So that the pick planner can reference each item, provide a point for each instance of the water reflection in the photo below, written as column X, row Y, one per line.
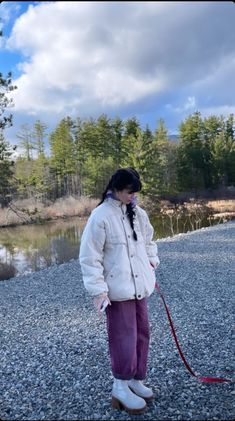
column 29, row 248
column 169, row 225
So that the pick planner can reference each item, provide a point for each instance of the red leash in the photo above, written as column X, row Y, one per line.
column 200, row 378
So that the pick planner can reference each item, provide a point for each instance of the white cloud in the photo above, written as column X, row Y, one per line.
column 224, row 110
column 82, row 57
column 189, row 105
column 8, row 9
column 7, row 12
column 76, row 61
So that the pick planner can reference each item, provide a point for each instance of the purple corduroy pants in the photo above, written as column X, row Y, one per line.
column 128, row 335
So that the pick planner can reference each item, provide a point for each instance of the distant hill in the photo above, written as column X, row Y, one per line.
column 174, row 137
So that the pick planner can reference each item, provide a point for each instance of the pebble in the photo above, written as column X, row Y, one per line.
column 54, row 360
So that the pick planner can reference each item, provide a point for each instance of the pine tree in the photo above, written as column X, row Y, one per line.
column 130, row 141
column 190, row 154
column 5, row 150
column 24, row 175
column 223, row 154
column 6, row 165
column 63, row 156
column 5, row 102
column 39, row 135
column 118, row 131
column 157, row 152
column 25, row 137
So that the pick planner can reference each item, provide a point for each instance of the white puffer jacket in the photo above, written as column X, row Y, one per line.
column 111, row 260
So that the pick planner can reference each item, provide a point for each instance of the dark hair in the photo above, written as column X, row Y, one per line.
column 125, row 178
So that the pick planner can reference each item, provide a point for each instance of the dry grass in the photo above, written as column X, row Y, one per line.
column 221, row 206
column 71, row 206
column 30, row 210
column 9, row 218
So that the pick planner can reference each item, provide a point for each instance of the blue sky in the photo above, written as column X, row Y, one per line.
column 150, row 60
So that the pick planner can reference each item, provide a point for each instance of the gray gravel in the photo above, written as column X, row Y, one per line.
column 54, row 354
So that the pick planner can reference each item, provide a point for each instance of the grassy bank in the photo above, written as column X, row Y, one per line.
column 222, row 207
column 31, row 211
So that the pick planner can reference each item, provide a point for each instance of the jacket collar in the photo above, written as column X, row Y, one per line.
column 116, row 203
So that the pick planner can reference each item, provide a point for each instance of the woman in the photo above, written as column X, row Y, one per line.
column 118, row 258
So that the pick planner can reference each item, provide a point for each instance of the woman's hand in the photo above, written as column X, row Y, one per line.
column 155, row 264
column 99, row 300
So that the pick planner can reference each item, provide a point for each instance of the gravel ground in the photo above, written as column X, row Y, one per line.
column 54, row 355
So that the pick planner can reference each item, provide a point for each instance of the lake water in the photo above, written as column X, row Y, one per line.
column 29, row 248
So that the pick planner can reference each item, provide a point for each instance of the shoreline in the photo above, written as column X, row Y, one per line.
column 159, row 240
column 65, row 208
column 54, row 354
column 183, row 235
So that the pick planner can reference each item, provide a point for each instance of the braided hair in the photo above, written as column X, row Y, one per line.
column 125, row 178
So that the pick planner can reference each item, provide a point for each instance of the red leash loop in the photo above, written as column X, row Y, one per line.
column 199, row 378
